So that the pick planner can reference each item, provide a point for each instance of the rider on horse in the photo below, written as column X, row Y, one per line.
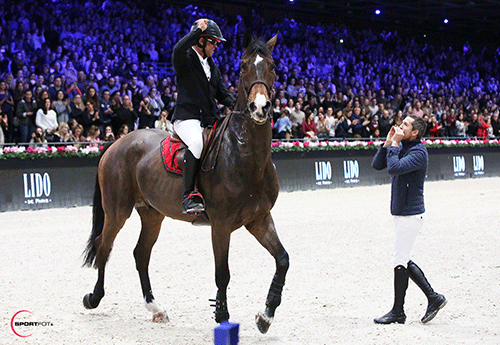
column 199, row 85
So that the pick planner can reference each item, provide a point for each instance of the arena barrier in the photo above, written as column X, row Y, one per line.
column 32, row 184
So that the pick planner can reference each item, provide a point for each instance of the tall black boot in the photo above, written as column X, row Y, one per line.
column 397, row 313
column 435, row 301
column 192, row 202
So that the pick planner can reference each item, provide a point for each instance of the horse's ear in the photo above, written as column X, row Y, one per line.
column 247, row 39
column 272, row 42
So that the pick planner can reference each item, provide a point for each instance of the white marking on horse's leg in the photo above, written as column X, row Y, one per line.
column 258, row 59
column 159, row 314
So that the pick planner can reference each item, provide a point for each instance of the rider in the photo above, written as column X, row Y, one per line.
column 199, row 85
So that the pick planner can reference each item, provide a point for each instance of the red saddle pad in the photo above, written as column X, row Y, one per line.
column 169, row 151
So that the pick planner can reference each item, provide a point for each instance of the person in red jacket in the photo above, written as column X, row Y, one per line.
column 482, row 130
column 436, row 128
column 309, row 130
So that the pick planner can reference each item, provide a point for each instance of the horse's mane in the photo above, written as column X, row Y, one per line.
column 258, row 46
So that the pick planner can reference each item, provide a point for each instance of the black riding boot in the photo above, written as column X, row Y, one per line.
column 397, row 313
column 192, row 202
column 436, row 301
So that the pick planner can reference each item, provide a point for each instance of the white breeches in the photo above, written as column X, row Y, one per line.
column 406, row 229
column 191, row 133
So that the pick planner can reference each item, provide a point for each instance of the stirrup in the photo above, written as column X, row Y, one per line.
column 193, row 203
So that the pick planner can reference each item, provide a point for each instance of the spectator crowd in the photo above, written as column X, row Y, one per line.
column 91, row 71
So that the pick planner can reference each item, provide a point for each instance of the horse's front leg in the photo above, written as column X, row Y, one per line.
column 265, row 232
column 220, row 243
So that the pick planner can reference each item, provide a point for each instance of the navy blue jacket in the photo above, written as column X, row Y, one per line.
column 196, row 95
column 407, row 164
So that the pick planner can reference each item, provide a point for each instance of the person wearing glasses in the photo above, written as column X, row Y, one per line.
column 200, row 87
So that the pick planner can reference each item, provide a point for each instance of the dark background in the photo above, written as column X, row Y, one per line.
column 475, row 21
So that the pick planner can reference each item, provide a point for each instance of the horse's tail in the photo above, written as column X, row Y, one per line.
column 97, row 220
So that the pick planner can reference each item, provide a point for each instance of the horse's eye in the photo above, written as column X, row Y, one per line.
column 243, row 66
column 272, row 66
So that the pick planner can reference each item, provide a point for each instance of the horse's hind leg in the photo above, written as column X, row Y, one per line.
column 265, row 232
column 151, row 224
column 104, row 243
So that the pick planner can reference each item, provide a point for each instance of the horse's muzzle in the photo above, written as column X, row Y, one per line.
column 259, row 111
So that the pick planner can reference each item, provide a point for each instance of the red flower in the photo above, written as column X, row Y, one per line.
column 60, row 149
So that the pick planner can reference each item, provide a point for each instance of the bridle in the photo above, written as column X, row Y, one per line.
column 248, row 89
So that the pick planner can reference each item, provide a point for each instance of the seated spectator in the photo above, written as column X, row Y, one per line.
column 374, row 127
column 7, row 109
column 309, row 130
column 54, row 90
column 62, row 135
column 483, row 125
column 124, row 115
column 323, row 127
column 495, row 124
column 460, row 126
column 38, row 138
column 472, row 126
column 385, row 123
column 343, row 126
column 91, row 96
column 77, row 134
column 106, row 110
column 163, row 123
column 90, row 117
column 283, row 125
column 62, row 107
column 122, row 131
column 46, row 118
column 77, row 107
column 4, row 125
column 108, row 134
column 297, row 116
column 276, row 110
column 93, row 135
column 26, row 113
column 146, row 117
column 398, row 118
column 357, row 123
column 434, row 127
column 155, row 101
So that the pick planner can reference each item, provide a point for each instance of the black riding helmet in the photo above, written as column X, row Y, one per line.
column 212, row 30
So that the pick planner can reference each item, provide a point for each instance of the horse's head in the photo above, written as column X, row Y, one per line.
column 256, row 78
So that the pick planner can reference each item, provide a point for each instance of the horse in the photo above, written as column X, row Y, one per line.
column 239, row 184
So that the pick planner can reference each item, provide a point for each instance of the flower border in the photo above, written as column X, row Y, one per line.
column 304, row 146
column 21, row 152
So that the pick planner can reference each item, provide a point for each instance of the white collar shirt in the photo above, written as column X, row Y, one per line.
column 204, row 64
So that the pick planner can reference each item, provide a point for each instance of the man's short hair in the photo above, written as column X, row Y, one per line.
column 419, row 125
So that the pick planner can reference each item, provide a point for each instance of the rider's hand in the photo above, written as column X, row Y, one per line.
column 202, row 24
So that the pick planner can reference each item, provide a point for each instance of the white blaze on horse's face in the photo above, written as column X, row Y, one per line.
column 259, row 102
column 258, row 59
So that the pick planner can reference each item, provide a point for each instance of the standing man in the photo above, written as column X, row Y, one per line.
column 405, row 157
column 199, row 85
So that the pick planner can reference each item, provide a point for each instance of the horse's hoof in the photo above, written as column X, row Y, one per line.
column 263, row 322
column 161, row 317
column 87, row 303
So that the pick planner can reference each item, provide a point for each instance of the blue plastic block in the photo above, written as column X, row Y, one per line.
column 226, row 333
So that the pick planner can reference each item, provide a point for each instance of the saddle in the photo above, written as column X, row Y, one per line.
column 173, row 150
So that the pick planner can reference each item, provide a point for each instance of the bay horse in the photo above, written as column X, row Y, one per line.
column 240, row 186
